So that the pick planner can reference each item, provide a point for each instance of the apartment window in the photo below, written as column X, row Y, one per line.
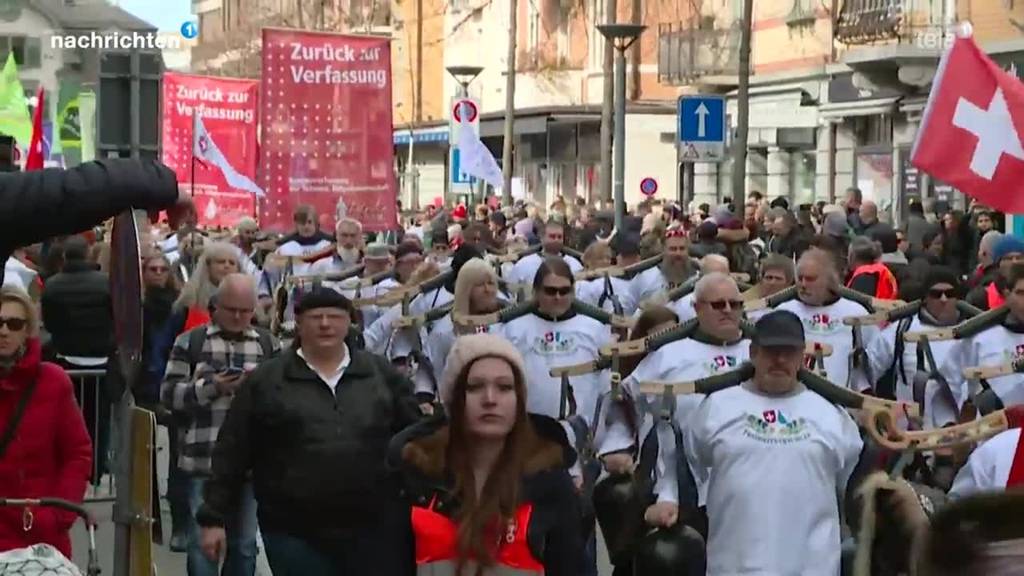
column 27, row 51
column 596, row 48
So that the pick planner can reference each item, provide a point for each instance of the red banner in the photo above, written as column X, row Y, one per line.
column 326, row 113
column 228, row 109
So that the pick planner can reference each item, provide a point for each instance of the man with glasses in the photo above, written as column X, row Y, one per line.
column 312, row 427
column 1000, row 344
column 774, row 457
column 717, row 346
column 207, row 367
column 897, row 364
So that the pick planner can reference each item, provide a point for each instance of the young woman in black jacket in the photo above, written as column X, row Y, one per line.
column 490, row 485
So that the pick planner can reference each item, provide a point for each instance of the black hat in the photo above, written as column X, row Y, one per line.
column 321, row 297
column 779, row 328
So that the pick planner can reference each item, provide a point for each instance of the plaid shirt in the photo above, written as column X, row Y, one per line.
column 194, row 394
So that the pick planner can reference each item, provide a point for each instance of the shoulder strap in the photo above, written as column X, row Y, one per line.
column 196, row 339
column 266, row 343
column 19, row 412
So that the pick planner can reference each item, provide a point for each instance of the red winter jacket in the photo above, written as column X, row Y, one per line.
column 50, row 455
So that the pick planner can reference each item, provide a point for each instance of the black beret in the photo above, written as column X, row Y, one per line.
column 321, row 297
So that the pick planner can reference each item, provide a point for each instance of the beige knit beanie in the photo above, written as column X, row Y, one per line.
column 472, row 347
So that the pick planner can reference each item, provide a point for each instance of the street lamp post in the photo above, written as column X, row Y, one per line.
column 464, row 75
column 622, row 37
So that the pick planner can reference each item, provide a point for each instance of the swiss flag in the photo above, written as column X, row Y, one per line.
column 970, row 132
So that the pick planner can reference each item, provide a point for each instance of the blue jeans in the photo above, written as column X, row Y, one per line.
column 381, row 548
column 241, row 530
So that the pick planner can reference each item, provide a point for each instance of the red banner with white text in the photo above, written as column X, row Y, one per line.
column 326, row 139
column 228, row 108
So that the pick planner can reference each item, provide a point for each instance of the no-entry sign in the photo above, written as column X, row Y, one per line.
column 648, row 186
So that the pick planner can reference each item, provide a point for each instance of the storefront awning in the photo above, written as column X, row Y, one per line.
column 421, row 136
column 868, row 107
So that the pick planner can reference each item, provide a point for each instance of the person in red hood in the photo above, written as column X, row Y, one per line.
column 49, row 454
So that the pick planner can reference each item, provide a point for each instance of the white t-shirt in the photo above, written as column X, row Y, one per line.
column 442, row 338
column 939, row 408
column 775, row 467
column 682, row 360
column 526, row 268
column 545, row 344
column 992, row 347
column 824, row 324
column 988, row 467
column 591, row 291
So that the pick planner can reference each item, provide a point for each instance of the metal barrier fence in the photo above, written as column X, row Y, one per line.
column 97, row 409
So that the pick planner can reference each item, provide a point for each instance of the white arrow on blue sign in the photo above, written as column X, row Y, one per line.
column 701, row 128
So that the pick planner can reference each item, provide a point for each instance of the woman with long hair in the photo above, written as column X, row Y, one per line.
column 476, row 292
column 490, row 484
column 216, row 261
column 44, row 445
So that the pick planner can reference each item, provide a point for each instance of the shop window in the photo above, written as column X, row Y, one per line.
column 873, row 130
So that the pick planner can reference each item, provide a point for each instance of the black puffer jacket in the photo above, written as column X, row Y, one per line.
column 317, row 458
column 77, row 311
column 52, row 202
column 554, row 534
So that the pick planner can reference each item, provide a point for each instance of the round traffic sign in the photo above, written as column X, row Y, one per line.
column 648, row 186
column 471, row 111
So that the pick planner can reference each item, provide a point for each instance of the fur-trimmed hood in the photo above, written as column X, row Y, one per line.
column 419, row 452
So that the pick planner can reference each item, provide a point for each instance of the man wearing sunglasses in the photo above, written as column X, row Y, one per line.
column 896, row 363
column 822, row 310
column 716, row 346
column 997, row 345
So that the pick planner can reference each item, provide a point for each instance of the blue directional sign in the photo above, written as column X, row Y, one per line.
column 457, row 175
column 702, row 128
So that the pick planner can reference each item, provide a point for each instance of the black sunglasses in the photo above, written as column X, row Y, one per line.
column 721, row 304
column 14, row 324
column 937, row 293
column 556, row 291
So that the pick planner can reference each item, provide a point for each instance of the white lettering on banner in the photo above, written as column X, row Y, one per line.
column 303, row 75
column 186, row 93
column 243, row 115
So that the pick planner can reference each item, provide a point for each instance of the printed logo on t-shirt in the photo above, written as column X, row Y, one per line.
column 1014, row 354
column 721, row 363
column 822, row 324
column 774, row 427
column 551, row 343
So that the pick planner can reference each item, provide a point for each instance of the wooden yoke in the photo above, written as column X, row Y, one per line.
column 881, row 425
column 965, row 329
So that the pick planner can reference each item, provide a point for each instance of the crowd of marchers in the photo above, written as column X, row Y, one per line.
column 474, row 392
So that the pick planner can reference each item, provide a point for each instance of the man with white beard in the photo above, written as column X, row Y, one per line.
column 376, row 260
column 553, row 242
column 676, row 267
column 716, row 346
column 776, row 457
column 822, row 311
column 348, row 252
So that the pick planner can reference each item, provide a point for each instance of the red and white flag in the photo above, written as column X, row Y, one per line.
column 970, row 133
column 205, row 150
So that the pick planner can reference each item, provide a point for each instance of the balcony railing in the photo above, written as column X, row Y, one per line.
column 685, row 53
column 862, row 21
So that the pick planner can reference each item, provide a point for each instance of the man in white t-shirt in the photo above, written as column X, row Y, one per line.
column 554, row 240
column 776, row 458
column 822, row 312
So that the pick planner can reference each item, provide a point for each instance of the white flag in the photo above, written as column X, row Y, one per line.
column 205, row 150
column 474, row 157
